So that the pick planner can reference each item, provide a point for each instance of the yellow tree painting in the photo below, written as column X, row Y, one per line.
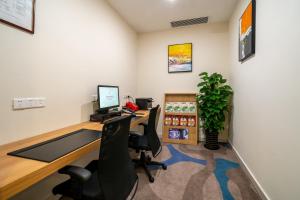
column 180, row 58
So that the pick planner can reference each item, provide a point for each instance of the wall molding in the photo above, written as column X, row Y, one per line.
column 262, row 193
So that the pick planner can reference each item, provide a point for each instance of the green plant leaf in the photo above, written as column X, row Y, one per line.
column 213, row 100
column 203, row 74
column 201, row 84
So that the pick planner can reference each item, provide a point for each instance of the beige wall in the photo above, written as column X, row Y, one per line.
column 77, row 45
column 267, row 96
column 210, row 53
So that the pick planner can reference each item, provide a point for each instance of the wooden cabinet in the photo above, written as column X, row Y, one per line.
column 180, row 118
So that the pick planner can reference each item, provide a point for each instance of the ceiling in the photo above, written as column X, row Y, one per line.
column 155, row 15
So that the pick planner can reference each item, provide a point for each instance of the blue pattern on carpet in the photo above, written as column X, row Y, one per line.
column 222, row 166
column 177, row 156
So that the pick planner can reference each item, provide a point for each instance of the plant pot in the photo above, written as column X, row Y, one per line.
column 211, row 140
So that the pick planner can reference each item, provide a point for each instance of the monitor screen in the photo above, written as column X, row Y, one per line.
column 108, row 96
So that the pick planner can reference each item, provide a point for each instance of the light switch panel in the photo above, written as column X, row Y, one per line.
column 26, row 103
column 18, row 103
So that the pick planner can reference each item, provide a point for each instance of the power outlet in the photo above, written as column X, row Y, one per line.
column 127, row 96
column 94, row 97
column 30, row 102
column 38, row 102
column 41, row 102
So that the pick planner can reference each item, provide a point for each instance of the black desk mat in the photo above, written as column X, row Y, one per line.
column 53, row 149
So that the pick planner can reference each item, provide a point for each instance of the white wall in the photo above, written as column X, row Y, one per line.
column 77, row 45
column 267, row 96
column 210, row 53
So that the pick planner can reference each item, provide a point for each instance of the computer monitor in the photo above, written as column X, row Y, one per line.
column 108, row 97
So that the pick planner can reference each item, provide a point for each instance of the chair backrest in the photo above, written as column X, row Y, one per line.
column 116, row 172
column 152, row 137
column 157, row 117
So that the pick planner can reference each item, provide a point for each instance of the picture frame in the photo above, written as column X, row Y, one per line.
column 180, row 58
column 18, row 14
column 247, row 31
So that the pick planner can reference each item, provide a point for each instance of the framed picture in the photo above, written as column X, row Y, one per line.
column 18, row 13
column 247, row 32
column 180, row 58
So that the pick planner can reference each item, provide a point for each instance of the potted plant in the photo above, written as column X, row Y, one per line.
column 213, row 99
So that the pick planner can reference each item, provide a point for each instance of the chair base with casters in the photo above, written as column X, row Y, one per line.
column 148, row 142
column 141, row 145
column 144, row 162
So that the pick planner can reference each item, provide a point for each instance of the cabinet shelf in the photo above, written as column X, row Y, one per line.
column 178, row 141
column 171, row 126
column 180, row 114
column 192, row 133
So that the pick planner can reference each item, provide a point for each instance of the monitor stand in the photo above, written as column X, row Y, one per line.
column 103, row 115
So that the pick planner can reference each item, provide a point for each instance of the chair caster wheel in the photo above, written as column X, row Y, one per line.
column 164, row 167
column 151, row 179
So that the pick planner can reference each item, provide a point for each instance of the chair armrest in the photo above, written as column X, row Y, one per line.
column 76, row 173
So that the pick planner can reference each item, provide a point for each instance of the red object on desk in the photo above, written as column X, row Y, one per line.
column 132, row 106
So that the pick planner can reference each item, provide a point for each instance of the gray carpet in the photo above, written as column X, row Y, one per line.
column 196, row 173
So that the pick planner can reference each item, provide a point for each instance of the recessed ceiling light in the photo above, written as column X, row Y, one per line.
column 171, row 1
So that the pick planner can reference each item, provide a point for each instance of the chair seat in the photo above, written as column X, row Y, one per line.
column 91, row 189
column 138, row 142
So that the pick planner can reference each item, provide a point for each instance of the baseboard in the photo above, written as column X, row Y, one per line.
column 262, row 193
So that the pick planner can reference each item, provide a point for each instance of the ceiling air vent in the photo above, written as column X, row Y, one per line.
column 188, row 22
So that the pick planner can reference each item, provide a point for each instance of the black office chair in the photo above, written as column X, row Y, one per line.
column 156, row 120
column 112, row 177
column 149, row 141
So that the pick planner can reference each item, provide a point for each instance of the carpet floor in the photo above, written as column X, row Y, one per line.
column 196, row 173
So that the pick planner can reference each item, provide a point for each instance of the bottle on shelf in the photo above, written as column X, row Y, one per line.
column 175, row 121
column 168, row 120
column 191, row 121
column 177, row 107
column 183, row 121
column 192, row 107
column 184, row 107
column 169, row 107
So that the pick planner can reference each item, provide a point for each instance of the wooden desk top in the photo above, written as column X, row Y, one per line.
column 17, row 174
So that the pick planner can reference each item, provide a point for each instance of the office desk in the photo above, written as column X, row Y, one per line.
column 17, row 174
